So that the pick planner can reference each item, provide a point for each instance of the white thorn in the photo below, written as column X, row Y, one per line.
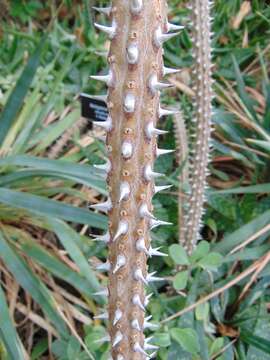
column 118, row 338
column 124, row 191
column 96, row 97
column 104, row 316
column 144, row 212
column 138, row 275
column 102, row 53
column 155, row 85
column 150, row 346
column 106, row 167
column 149, row 174
column 135, row 324
column 167, row 70
column 105, row 338
column 101, row 138
column 151, row 356
column 136, row 6
column 147, row 300
column 122, row 229
column 103, row 10
column 165, row 112
column 151, row 278
column 105, row 238
column 129, row 103
column 127, row 149
column 108, row 79
column 104, row 266
column 160, row 152
column 105, row 206
column 120, row 262
column 117, row 316
column 137, row 348
column 103, row 292
column 160, row 38
column 155, row 252
column 132, row 53
column 110, row 30
column 155, row 223
column 173, row 27
column 147, row 340
column 137, row 301
column 151, row 326
column 140, row 245
column 161, row 188
column 151, row 131
column 107, row 125
column 120, row 357
column 100, row 97
column 148, row 325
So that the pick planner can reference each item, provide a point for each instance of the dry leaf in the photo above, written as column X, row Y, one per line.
column 243, row 12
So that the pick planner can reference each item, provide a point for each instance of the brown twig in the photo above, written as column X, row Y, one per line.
column 250, row 239
column 215, row 293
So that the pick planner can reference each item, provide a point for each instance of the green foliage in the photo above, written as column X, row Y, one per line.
column 35, row 116
column 178, row 254
column 8, row 333
column 25, row 10
column 187, row 338
column 180, row 280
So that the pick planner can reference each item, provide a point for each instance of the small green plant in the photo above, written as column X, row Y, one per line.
column 201, row 258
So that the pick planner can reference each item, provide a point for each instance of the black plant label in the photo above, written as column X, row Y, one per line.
column 93, row 109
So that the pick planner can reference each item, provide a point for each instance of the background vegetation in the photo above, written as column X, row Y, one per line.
column 214, row 304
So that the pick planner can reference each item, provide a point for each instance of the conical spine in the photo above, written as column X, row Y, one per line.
column 201, row 25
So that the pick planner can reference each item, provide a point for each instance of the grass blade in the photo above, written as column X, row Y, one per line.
column 32, row 284
column 8, row 333
column 240, row 235
column 247, row 101
column 68, row 238
column 18, row 176
column 17, row 96
column 256, row 341
column 43, row 206
column 252, row 189
column 84, row 172
column 58, row 268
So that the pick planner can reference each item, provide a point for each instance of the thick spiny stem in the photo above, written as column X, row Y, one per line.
column 133, row 57
column 202, row 118
column 134, row 81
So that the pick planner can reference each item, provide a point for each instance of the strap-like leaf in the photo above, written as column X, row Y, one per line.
column 38, row 291
column 8, row 333
column 17, row 96
column 42, row 206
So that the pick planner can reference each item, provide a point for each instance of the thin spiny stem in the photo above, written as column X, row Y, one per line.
column 201, row 25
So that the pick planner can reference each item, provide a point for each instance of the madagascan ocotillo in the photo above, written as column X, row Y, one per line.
column 138, row 29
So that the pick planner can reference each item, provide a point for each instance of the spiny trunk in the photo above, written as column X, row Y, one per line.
column 138, row 30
